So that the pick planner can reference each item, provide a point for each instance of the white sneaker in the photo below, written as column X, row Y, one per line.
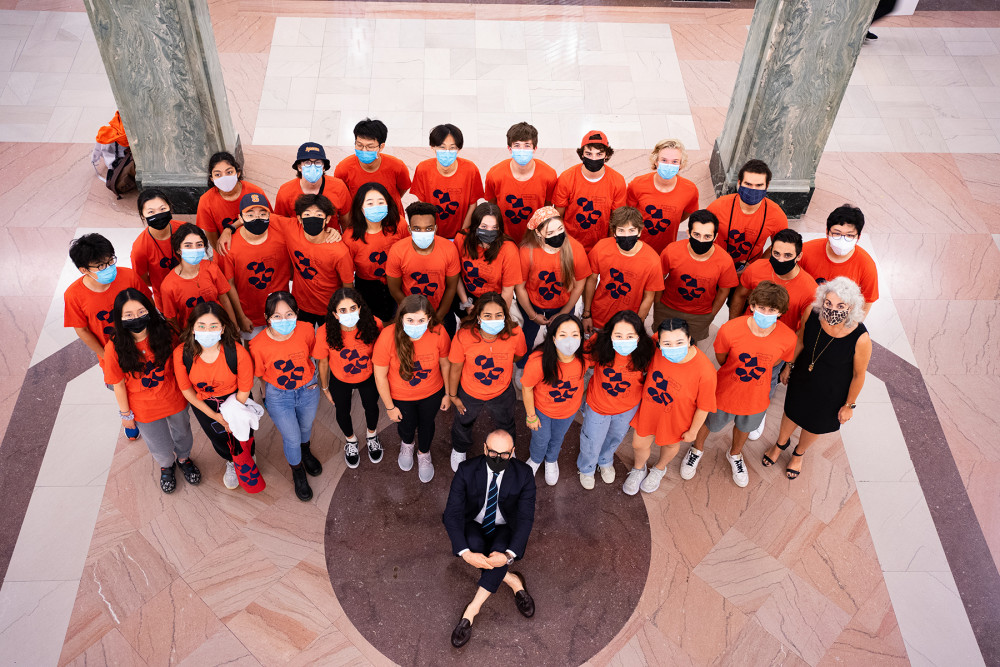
column 405, row 459
column 757, row 432
column 740, row 475
column 587, row 481
column 635, row 477
column 607, row 473
column 534, row 466
column 652, row 481
column 456, row 458
column 690, row 463
column 425, row 468
column 229, row 478
column 551, row 473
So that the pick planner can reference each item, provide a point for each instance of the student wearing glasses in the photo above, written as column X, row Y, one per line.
column 311, row 165
column 370, row 164
column 838, row 255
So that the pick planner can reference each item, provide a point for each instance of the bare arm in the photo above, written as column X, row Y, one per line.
column 449, row 387
column 574, row 296
column 720, row 300
column 647, row 303
column 88, row 337
column 242, row 321
column 395, row 286
column 508, row 294
column 739, row 303
column 862, row 355
column 450, row 285
column 226, row 301
column 382, row 383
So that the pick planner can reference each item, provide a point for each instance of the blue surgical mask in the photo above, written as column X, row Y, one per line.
column 193, row 255
column 107, row 275
column 376, row 213
column 750, row 196
column 349, row 320
column 415, row 331
column 522, row 156
column 491, row 327
column 764, row 321
column 422, row 240
column 625, row 347
column 284, row 327
column 667, row 171
column 312, row 172
column 446, row 158
column 366, row 157
column 207, row 338
column 675, row 354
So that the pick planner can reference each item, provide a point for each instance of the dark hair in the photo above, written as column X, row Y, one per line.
column 788, row 235
column 230, row 335
column 624, row 216
column 769, row 295
column 370, row 128
column 603, row 351
column 755, row 167
column 159, row 332
column 441, row 132
column 414, row 303
column 148, row 195
column 522, row 132
column 471, row 321
column 367, row 327
column 184, row 231
column 608, row 150
column 846, row 215
column 472, row 241
column 272, row 301
column 359, row 223
column 550, row 355
column 704, row 216
column 223, row 156
column 421, row 208
column 304, row 202
column 90, row 249
column 673, row 324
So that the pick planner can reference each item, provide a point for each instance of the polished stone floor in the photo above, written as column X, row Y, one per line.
column 884, row 552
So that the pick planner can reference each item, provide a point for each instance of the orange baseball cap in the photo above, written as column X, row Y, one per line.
column 595, row 137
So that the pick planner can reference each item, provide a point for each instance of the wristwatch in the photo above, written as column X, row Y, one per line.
column 852, row 406
column 510, row 558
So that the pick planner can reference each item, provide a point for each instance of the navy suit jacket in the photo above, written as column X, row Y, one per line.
column 468, row 495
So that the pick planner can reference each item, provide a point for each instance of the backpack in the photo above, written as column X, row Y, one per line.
column 112, row 146
column 230, row 352
column 121, row 173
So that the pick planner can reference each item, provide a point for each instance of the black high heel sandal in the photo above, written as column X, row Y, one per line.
column 766, row 461
column 789, row 473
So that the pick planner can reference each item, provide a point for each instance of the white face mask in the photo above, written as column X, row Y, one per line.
column 226, row 183
column 568, row 346
column 843, row 246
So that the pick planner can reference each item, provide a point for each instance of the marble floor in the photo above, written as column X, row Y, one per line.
column 884, row 552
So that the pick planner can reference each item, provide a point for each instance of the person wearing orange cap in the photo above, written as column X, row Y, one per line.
column 586, row 195
column 311, row 165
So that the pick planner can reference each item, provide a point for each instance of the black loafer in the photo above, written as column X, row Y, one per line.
column 461, row 634
column 523, row 600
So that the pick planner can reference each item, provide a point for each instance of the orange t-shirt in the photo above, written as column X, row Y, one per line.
column 153, row 393
column 622, row 279
column 214, row 212
column 285, row 364
column 542, row 273
column 489, row 365
column 181, row 295
column 320, row 270
column 256, row 271
column 154, row 258
column 690, row 285
column 451, row 195
column 391, row 173
column 662, row 212
column 352, row 362
column 744, row 236
column 427, row 354
column 331, row 187
column 616, row 388
column 370, row 254
column 559, row 401
column 671, row 396
column 860, row 267
column 214, row 379
column 85, row 308
column 519, row 199
column 744, row 381
column 588, row 205
column 423, row 274
column 480, row 276
column 801, row 289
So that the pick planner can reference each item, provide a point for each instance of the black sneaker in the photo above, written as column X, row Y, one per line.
column 351, row 454
column 374, row 449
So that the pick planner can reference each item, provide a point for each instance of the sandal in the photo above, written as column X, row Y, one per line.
column 789, row 473
column 191, row 473
column 168, row 482
column 766, row 460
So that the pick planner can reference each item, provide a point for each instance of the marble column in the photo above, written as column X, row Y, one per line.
column 165, row 73
column 797, row 62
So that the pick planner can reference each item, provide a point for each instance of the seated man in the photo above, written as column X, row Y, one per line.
column 490, row 511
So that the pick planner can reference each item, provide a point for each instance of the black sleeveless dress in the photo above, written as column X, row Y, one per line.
column 814, row 398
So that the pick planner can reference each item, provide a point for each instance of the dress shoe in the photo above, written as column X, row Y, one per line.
column 461, row 634
column 525, row 604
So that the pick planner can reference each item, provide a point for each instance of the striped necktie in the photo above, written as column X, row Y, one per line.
column 490, row 517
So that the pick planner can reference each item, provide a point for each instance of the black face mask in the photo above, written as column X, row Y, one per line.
column 159, row 220
column 781, row 268
column 137, row 324
column 591, row 164
column 258, row 226
column 487, row 236
column 313, row 225
column 557, row 240
column 701, row 247
column 497, row 464
column 626, row 243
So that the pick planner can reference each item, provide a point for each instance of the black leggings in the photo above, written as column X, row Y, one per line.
column 342, row 393
column 418, row 420
column 312, row 318
column 376, row 295
column 217, row 435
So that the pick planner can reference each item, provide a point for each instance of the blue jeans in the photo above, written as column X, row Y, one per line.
column 293, row 412
column 547, row 440
column 600, row 437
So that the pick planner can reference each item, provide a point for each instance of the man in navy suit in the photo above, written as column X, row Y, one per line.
column 491, row 507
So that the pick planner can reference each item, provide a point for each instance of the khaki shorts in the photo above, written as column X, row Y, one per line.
column 699, row 324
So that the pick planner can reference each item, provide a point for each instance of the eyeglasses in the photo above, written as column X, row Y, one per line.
column 311, row 163
column 841, row 237
column 365, row 147
column 111, row 262
column 503, row 456
column 288, row 316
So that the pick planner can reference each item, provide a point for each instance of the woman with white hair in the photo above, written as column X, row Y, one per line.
column 831, row 358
